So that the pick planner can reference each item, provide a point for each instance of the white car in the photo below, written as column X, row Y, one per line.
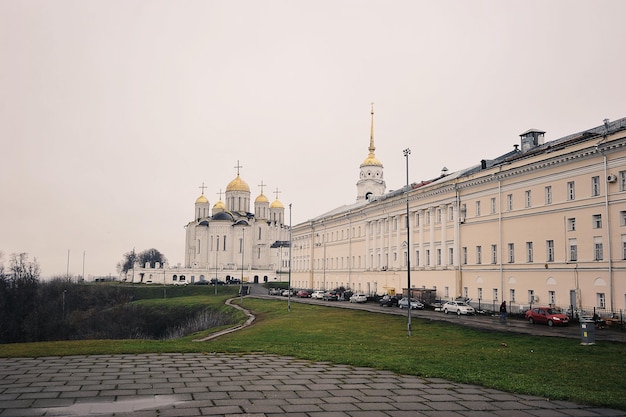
column 415, row 304
column 458, row 307
column 358, row 298
column 318, row 294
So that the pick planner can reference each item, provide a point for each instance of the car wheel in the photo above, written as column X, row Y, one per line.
column 550, row 323
column 445, row 311
column 530, row 320
column 458, row 312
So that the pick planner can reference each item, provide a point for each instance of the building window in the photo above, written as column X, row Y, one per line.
column 573, row 250
column 477, row 208
column 438, row 214
column 548, row 194
column 494, row 254
column 622, row 180
column 531, row 296
column 601, row 300
column 479, row 255
column 511, row 252
column 571, row 224
column 464, row 251
column 417, row 219
column 571, row 194
column 595, row 186
column 550, row 250
column 509, row 202
column 438, row 256
column 527, row 199
column 450, row 256
column 597, row 221
column 427, row 257
column 512, row 295
column 624, row 247
column 259, row 233
column 529, row 252
column 198, row 246
column 622, row 218
column 598, row 250
column 417, row 258
column 493, row 205
column 552, row 297
column 446, row 292
column 451, row 213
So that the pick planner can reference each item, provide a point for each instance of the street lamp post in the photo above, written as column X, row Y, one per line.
column 243, row 237
column 407, row 152
column 289, row 277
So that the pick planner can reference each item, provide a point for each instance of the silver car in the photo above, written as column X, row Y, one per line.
column 458, row 307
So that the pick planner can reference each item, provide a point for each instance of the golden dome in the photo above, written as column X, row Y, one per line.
column 371, row 160
column 202, row 200
column 238, row 185
column 219, row 205
column 276, row 204
column 261, row 199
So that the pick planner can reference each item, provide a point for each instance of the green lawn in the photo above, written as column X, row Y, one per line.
column 549, row 367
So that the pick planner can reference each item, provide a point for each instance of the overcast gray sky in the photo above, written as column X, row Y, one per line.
column 113, row 113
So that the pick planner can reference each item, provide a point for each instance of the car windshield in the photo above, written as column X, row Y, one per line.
column 461, row 303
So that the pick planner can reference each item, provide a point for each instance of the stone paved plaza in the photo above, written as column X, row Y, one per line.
column 253, row 385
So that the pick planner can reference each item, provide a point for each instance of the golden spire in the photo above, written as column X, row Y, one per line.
column 372, row 148
column 371, row 157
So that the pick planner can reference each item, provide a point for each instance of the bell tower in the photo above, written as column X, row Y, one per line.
column 371, row 183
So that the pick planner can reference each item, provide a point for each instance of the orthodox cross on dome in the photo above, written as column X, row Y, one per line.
column 202, row 187
column 372, row 148
column 238, row 166
column 277, row 192
column 220, row 194
column 262, row 185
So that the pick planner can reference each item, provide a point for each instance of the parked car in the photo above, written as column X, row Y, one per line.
column 275, row 291
column 318, row 295
column 549, row 315
column 201, row 282
column 287, row 293
column 358, row 298
column 234, row 281
column 303, row 294
column 458, row 307
column 330, row 296
column 415, row 304
column 217, row 281
column 388, row 301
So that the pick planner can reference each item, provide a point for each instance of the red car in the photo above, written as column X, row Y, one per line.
column 303, row 294
column 549, row 315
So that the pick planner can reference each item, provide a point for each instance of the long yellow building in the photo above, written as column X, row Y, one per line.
column 544, row 223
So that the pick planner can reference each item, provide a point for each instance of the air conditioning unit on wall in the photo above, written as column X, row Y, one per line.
column 611, row 178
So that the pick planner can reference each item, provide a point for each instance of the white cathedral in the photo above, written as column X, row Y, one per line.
column 229, row 241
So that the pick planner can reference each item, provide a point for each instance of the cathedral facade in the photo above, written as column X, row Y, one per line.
column 230, row 241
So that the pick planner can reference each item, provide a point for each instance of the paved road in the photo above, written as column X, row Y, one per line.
column 479, row 321
column 255, row 385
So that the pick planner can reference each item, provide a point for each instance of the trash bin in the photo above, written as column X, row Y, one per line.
column 587, row 332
